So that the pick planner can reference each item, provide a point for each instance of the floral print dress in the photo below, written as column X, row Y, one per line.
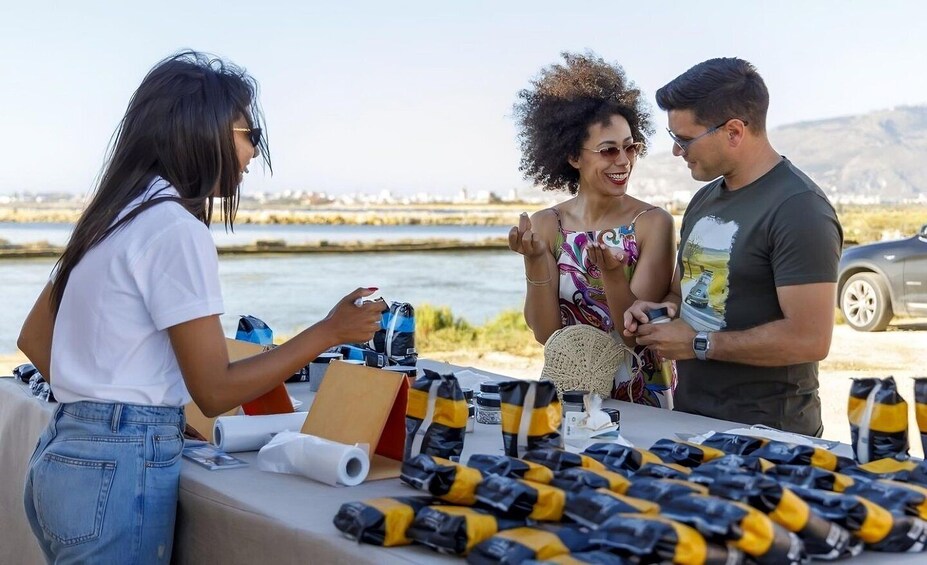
column 582, row 301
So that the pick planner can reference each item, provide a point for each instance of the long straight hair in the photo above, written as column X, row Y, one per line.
column 178, row 126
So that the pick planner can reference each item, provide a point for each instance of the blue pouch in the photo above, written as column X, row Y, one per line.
column 254, row 330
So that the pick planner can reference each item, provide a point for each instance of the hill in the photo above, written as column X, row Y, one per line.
column 875, row 157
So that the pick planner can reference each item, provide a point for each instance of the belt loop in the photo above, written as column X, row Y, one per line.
column 117, row 415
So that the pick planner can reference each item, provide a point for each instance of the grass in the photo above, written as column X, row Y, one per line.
column 438, row 329
column 866, row 224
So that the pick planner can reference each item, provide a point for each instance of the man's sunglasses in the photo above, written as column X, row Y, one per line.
column 254, row 135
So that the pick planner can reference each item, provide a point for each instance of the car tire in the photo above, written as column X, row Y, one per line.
column 865, row 303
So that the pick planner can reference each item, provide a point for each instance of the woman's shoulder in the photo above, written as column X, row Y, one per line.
column 649, row 218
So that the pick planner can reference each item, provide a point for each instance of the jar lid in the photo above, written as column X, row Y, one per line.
column 490, row 400
column 468, row 394
column 614, row 414
column 574, row 396
column 655, row 313
column 489, row 386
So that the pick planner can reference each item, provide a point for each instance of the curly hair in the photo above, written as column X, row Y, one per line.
column 564, row 101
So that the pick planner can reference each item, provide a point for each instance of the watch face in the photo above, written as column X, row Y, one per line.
column 700, row 344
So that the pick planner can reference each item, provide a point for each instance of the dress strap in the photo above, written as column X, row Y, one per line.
column 559, row 222
column 634, row 221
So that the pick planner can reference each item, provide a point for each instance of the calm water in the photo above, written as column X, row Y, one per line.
column 291, row 292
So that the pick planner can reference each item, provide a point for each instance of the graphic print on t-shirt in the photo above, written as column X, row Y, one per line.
column 705, row 258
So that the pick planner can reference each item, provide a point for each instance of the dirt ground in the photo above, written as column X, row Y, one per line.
column 900, row 351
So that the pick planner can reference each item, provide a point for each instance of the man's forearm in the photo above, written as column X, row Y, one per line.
column 770, row 345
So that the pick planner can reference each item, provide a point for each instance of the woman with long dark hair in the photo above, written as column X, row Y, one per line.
column 127, row 330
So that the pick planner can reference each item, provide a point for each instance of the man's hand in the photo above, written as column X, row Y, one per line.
column 671, row 341
column 637, row 314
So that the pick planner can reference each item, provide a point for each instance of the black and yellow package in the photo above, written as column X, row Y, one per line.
column 584, row 558
column 823, row 539
column 868, row 521
column 878, row 420
column 521, row 544
column 811, row 477
column 450, row 481
column 380, row 521
column 512, row 467
column 656, row 539
column 659, row 490
column 577, row 479
column 456, row 529
column 901, row 499
column 436, row 416
column 531, row 416
column 892, row 469
column 557, row 459
column 516, row 498
column 738, row 463
column 733, row 443
column 740, row 525
column 619, row 457
column 920, row 408
column 783, row 453
column 661, row 471
column 592, row 508
column 684, row 453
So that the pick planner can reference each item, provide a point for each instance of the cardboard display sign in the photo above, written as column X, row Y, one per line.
column 358, row 404
column 277, row 401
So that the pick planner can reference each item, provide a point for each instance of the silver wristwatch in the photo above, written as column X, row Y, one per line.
column 700, row 345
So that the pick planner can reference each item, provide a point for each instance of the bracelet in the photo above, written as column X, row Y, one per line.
column 538, row 283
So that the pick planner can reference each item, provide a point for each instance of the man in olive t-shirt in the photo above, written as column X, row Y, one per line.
column 755, row 284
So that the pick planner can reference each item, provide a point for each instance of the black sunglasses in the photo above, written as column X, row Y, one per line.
column 254, row 135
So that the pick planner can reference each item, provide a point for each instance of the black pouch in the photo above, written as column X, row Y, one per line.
column 396, row 336
column 582, row 557
column 811, row 477
column 660, row 490
column 620, row 458
column 577, row 479
column 25, row 371
column 456, row 529
column 451, row 482
column 557, row 459
column 734, row 444
column 531, row 416
column 822, row 538
column 436, row 416
column 592, row 508
column 737, row 524
column 920, row 408
column 868, row 521
column 521, row 544
column 511, row 467
column 901, row 499
column 738, row 463
column 518, row 499
column 878, row 420
column 655, row 539
column 660, row 471
column 684, row 453
column 380, row 521
column 782, row 453
column 892, row 469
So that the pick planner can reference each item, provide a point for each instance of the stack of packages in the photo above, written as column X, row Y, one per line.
column 730, row 499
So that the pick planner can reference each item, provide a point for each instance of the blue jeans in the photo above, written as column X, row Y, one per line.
column 102, row 483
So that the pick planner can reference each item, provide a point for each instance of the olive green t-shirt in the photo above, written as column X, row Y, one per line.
column 737, row 248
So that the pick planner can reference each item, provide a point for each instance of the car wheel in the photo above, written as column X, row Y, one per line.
column 865, row 303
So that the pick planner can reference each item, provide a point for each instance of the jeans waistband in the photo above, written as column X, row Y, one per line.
column 116, row 413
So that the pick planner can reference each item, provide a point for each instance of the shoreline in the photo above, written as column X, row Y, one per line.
column 281, row 247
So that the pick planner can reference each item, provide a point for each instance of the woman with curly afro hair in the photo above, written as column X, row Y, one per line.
column 582, row 127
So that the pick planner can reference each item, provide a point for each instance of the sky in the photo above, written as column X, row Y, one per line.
column 417, row 96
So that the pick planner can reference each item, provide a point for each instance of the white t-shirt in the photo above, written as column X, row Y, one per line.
column 110, row 341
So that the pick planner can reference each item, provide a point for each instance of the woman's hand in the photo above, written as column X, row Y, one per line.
column 606, row 258
column 352, row 323
column 523, row 240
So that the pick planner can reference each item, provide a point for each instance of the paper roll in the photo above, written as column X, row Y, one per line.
column 316, row 458
column 250, row 433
